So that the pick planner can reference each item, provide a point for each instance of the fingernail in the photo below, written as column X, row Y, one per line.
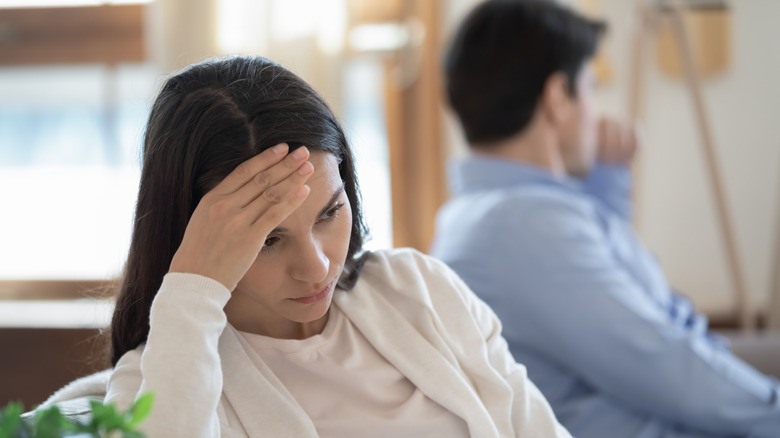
column 306, row 168
column 279, row 149
column 300, row 153
column 302, row 191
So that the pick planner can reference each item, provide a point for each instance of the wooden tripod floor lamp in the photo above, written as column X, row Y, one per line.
column 670, row 12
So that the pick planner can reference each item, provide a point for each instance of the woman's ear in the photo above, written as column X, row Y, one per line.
column 556, row 100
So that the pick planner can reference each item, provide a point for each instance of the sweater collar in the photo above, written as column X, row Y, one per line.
column 424, row 365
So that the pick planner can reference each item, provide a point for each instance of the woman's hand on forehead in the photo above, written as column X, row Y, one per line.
column 231, row 222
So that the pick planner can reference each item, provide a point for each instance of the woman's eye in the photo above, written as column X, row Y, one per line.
column 269, row 242
column 332, row 212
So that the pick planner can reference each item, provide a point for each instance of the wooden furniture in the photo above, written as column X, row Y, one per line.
column 44, row 344
column 413, row 117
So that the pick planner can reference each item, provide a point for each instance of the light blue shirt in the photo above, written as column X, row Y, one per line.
column 588, row 310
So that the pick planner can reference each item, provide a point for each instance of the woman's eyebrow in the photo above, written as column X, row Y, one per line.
column 332, row 199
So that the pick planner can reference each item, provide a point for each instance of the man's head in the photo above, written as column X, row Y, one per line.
column 513, row 61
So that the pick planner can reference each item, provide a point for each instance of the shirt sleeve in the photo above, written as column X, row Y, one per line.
column 584, row 308
column 180, row 362
column 611, row 184
column 531, row 414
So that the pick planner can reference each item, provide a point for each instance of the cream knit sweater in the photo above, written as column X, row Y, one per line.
column 419, row 315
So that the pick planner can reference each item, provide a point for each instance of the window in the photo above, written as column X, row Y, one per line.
column 69, row 167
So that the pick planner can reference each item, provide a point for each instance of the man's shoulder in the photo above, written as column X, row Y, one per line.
column 516, row 203
column 549, row 197
column 482, row 228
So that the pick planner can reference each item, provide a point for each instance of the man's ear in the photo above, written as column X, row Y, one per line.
column 556, row 100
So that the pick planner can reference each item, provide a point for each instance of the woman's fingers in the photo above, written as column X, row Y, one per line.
column 247, row 170
column 274, row 204
column 230, row 224
column 264, row 181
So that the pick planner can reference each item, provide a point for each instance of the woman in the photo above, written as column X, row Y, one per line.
column 247, row 306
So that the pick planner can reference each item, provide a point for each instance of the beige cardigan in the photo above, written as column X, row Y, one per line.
column 417, row 313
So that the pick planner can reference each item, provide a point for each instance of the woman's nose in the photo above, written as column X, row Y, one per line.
column 311, row 264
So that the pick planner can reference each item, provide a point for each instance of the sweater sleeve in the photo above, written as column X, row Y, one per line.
column 531, row 413
column 180, row 362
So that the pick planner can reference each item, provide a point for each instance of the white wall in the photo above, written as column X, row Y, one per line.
column 676, row 211
column 675, row 208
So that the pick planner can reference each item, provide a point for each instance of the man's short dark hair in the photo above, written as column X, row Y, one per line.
column 502, row 55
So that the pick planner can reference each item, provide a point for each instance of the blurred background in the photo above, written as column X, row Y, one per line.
column 77, row 79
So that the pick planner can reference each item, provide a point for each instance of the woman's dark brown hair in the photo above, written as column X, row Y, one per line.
column 208, row 119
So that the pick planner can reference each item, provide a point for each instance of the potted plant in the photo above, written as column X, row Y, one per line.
column 103, row 421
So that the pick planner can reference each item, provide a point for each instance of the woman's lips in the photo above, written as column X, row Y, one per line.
column 314, row 298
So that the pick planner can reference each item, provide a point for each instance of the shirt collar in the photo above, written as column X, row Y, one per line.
column 479, row 172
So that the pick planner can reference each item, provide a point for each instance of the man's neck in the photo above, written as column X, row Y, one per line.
column 534, row 146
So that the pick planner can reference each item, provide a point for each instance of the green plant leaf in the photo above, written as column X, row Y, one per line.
column 49, row 423
column 105, row 418
column 140, row 409
column 11, row 420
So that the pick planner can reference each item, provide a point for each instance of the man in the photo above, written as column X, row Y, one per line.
column 539, row 227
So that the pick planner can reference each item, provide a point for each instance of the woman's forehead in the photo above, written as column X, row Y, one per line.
column 326, row 172
column 324, row 184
